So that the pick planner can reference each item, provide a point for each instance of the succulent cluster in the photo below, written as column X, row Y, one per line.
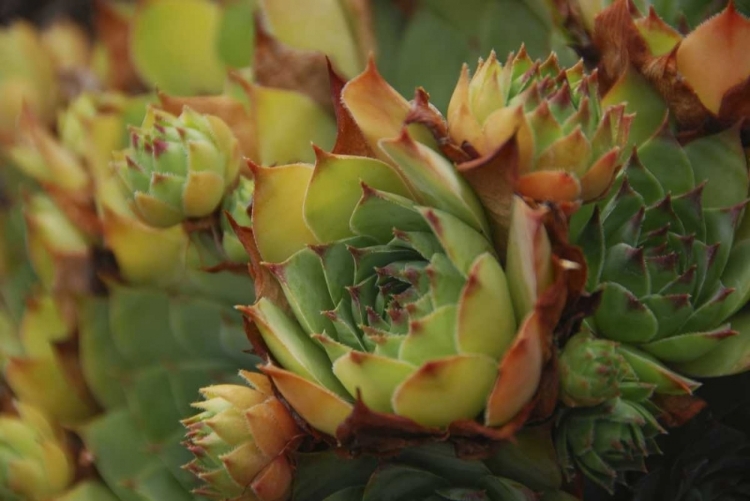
column 240, row 440
column 570, row 148
column 36, row 461
column 522, row 285
column 178, row 167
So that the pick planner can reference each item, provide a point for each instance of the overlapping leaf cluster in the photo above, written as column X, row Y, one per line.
column 532, row 251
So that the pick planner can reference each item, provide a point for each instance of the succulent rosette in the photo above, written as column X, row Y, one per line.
column 240, row 440
column 424, row 473
column 593, row 371
column 273, row 124
column 178, row 167
column 570, row 146
column 607, row 440
column 36, row 463
column 523, row 470
column 666, row 251
column 392, row 293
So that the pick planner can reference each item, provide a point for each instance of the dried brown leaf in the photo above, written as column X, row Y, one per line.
column 113, row 29
column 422, row 113
column 349, row 137
column 283, row 67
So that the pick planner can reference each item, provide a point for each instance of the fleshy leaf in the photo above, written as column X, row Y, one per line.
column 291, row 346
column 323, row 409
column 335, row 189
column 713, row 58
column 434, row 182
column 278, row 218
column 422, row 396
column 173, row 46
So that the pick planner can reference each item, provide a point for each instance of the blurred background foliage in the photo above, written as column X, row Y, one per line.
column 409, row 54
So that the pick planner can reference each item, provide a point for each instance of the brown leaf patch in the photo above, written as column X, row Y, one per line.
column 113, row 29
column 472, row 440
column 735, row 106
column 349, row 137
column 576, row 271
column 422, row 113
column 683, row 103
column 74, row 273
column 369, row 432
column 278, row 65
column 265, row 283
column 678, row 409
column 547, row 396
column 619, row 43
column 254, row 337
column 78, row 207
column 550, row 306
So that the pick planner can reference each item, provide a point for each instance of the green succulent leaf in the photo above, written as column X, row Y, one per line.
column 236, row 34
column 173, row 43
column 144, row 354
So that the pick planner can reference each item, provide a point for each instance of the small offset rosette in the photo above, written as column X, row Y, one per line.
column 178, row 167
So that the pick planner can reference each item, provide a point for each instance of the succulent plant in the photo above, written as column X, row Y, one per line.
column 570, row 147
column 425, row 43
column 607, row 440
column 663, row 249
column 392, row 291
column 377, row 320
column 240, row 440
column 36, row 463
column 145, row 353
column 179, row 167
column 593, row 371
column 701, row 77
column 431, row 472
column 414, row 286
column 667, row 247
